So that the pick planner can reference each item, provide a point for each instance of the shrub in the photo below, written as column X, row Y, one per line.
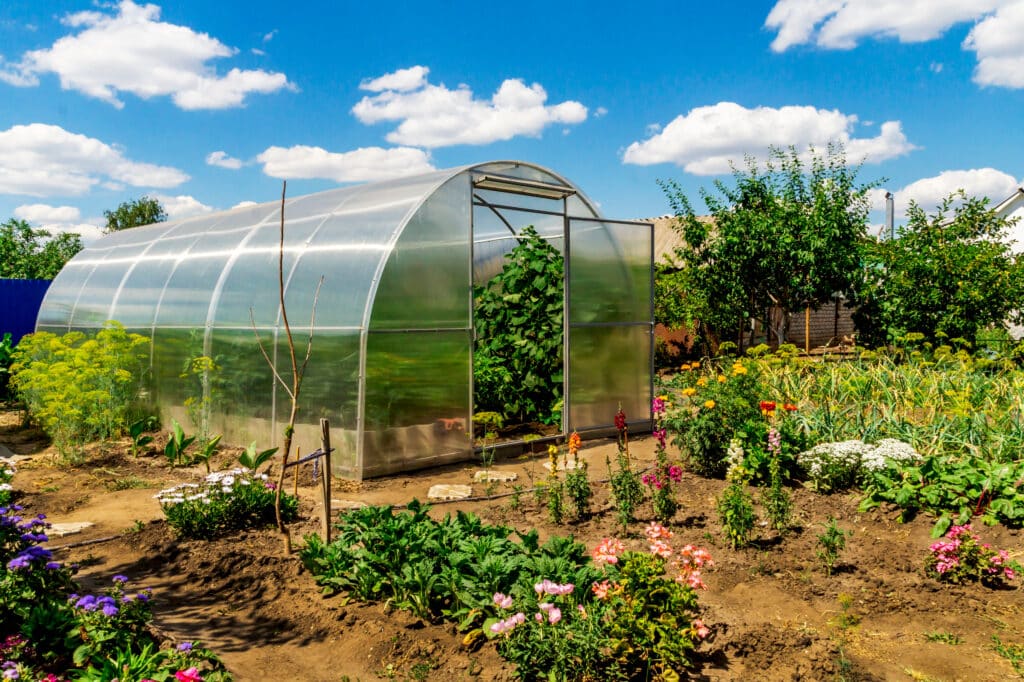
column 963, row 558
column 7, row 471
column 80, row 387
column 226, row 500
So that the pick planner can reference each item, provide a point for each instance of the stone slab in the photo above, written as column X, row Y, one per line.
column 347, row 504
column 449, row 492
column 70, row 528
column 567, row 465
column 491, row 476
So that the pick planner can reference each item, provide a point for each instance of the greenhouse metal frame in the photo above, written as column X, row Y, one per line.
column 392, row 342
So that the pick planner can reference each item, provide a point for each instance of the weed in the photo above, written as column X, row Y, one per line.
column 1014, row 653
column 846, row 618
column 831, row 544
column 944, row 637
column 129, row 483
column 736, row 512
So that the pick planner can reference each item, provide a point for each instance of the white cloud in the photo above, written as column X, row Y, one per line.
column 840, row 24
column 599, row 112
column 434, row 116
column 221, row 159
column 132, row 51
column 267, row 37
column 182, row 206
column 935, row 67
column 44, row 213
column 402, row 80
column 929, row 192
column 996, row 41
column 708, row 139
column 359, row 165
column 244, row 204
column 46, row 160
column 59, row 219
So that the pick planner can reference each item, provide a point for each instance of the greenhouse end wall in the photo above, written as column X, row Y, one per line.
column 392, row 338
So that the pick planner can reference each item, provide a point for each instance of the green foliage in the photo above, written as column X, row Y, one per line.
column 1014, row 653
column 252, row 459
column 80, row 387
column 44, row 627
column 736, row 513
column 208, row 450
column 951, row 275
column 627, row 492
column 177, row 443
column 447, row 569
column 226, row 501
column 651, row 621
column 135, row 213
column 27, row 253
column 517, row 363
column 788, row 236
column 831, row 544
column 777, row 503
column 6, row 355
column 203, row 386
column 577, row 485
column 137, row 431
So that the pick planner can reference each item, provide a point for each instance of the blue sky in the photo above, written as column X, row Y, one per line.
column 209, row 104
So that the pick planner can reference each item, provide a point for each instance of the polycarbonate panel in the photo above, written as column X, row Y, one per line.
column 93, row 306
column 173, row 349
column 330, row 389
column 610, row 272
column 136, row 304
column 186, row 298
column 425, row 283
column 417, row 400
column 492, row 239
column 250, row 280
column 59, row 303
column 608, row 367
column 240, row 389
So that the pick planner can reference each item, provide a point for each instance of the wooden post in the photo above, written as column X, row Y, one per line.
column 325, row 477
column 807, row 329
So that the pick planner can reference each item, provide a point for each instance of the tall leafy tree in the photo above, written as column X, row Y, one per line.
column 955, row 275
column 134, row 213
column 29, row 253
column 783, row 237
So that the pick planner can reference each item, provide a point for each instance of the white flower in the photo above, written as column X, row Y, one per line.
column 6, row 486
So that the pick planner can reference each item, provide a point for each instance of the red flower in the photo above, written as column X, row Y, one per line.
column 767, row 406
column 620, row 420
column 789, row 407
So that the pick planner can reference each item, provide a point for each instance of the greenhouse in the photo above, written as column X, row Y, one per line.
column 393, row 327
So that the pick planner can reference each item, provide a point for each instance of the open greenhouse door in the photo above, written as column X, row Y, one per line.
column 610, row 331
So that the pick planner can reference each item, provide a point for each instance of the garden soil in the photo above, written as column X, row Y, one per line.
column 774, row 613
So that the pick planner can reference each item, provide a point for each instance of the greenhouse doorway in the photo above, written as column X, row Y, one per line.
column 562, row 314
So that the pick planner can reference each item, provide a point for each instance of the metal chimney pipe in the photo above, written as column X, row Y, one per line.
column 890, row 211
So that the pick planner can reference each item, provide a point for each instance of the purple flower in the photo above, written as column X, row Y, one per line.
column 20, row 561
column 109, row 610
column 120, row 579
column 52, row 565
column 185, row 646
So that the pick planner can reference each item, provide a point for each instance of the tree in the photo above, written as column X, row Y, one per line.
column 134, row 213
column 954, row 276
column 783, row 238
column 27, row 253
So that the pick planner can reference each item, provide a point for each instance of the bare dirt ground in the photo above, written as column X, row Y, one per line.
column 775, row 615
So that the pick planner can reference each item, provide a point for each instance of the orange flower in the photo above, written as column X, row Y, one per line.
column 709, row 404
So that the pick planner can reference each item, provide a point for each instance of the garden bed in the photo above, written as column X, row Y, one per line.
column 773, row 613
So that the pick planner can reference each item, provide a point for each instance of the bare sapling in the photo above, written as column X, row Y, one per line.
column 298, row 371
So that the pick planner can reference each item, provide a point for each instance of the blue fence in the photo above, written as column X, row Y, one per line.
column 19, row 304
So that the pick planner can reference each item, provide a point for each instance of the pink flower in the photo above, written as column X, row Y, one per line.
column 656, row 531
column 539, row 617
column 661, row 548
column 659, row 435
column 502, row 601
column 608, row 551
column 554, row 615
column 600, row 589
column 700, row 629
column 658, row 405
column 190, row 675
column 675, row 473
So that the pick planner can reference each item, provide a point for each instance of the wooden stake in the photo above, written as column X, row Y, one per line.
column 325, row 477
column 807, row 329
column 295, row 478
